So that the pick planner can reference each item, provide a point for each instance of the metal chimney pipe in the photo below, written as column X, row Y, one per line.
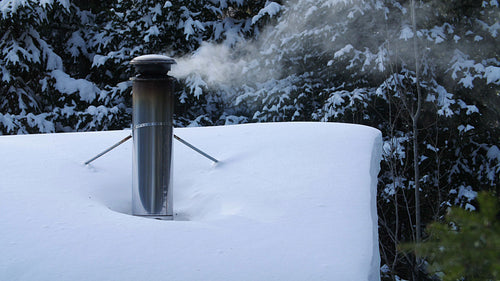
column 152, row 113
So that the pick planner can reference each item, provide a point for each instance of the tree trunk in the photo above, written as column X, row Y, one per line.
column 415, row 118
column 416, row 154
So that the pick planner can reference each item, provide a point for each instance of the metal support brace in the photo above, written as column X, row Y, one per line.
column 130, row 136
column 195, row 149
column 109, row 149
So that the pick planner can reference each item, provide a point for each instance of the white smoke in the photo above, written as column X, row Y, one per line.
column 213, row 62
column 219, row 64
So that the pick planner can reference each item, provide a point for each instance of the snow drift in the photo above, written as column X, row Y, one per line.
column 289, row 201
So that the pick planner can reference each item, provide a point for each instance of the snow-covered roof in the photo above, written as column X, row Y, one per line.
column 288, row 201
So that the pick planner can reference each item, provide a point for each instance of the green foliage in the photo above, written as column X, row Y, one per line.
column 466, row 246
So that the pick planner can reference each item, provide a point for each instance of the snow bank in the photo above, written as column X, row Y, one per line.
column 289, row 201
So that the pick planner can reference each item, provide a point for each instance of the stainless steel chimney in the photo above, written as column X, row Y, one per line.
column 152, row 113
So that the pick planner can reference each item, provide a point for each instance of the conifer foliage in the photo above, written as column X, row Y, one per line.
column 64, row 63
column 466, row 244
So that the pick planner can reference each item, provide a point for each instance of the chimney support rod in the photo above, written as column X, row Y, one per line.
column 130, row 136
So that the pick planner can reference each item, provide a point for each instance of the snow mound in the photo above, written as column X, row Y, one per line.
column 288, row 201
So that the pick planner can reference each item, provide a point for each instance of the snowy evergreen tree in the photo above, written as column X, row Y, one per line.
column 65, row 63
column 27, row 58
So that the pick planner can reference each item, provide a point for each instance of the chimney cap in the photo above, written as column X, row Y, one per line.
column 152, row 65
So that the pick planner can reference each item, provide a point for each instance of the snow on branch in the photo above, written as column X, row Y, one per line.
column 472, row 70
column 271, row 9
column 9, row 7
column 68, row 85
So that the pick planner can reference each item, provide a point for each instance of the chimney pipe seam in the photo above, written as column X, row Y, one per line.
column 151, row 124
